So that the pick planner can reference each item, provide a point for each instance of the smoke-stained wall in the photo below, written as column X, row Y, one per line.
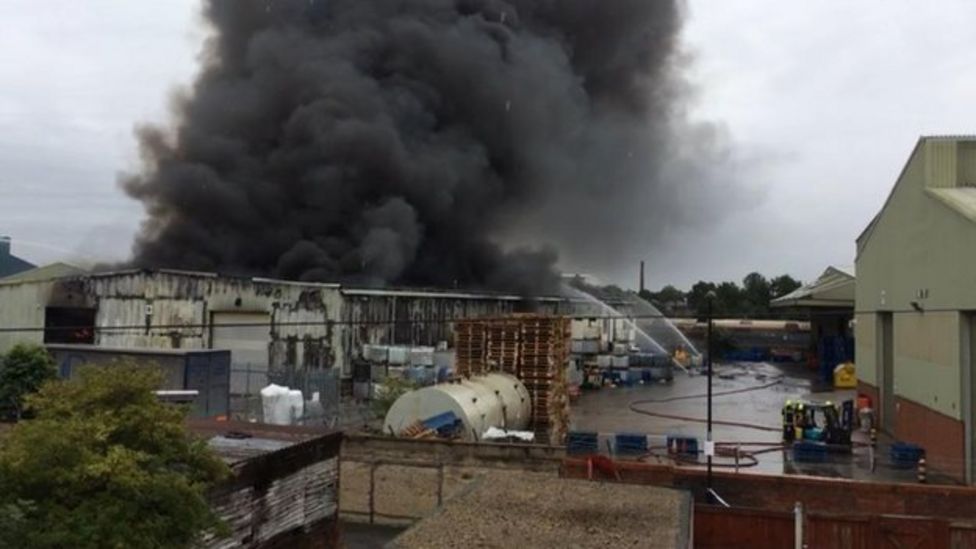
column 449, row 143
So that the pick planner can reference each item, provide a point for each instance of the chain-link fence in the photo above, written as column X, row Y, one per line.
column 321, row 389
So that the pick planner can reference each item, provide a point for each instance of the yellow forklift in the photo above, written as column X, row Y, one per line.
column 826, row 423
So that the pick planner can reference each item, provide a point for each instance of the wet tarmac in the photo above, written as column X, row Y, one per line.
column 759, row 391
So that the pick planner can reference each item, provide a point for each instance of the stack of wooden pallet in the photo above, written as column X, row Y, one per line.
column 470, row 348
column 535, row 349
column 502, row 346
column 544, row 353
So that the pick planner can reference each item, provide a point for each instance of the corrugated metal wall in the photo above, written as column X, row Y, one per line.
column 966, row 164
column 940, row 163
column 312, row 326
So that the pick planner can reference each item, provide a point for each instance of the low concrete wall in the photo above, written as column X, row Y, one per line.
column 529, row 457
column 399, row 481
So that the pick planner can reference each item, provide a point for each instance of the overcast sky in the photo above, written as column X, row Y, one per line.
column 823, row 102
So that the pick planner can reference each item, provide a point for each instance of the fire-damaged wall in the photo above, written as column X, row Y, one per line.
column 268, row 325
column 402, row 317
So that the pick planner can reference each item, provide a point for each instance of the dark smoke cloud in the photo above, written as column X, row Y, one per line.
column 424, row 142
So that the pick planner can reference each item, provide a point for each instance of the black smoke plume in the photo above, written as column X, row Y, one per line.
column 452, row 143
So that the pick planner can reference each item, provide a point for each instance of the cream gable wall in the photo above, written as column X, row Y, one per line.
column 919, row 244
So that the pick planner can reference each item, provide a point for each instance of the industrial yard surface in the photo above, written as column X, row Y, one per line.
column 608, row 411
column 521, row 509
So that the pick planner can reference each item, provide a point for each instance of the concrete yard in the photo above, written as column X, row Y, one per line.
column 607, row 411
column 523, row 509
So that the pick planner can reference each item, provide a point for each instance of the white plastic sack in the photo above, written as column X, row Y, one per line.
column 275, row 405
column 296, row 407
column 494, row 433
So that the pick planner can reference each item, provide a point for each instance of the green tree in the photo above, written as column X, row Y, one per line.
column 782, row 285
column 665, row 299
column 697, row 297
column 105, row 464
column 755, row 294
column 728, row 299
column 22, row 371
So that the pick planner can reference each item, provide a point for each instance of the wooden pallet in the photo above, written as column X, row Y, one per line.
column 534, row 348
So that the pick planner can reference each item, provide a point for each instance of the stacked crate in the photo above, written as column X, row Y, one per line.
column 533, row 348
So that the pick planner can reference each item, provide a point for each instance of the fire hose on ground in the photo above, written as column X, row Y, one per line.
column 725, row 449
column 744, row 458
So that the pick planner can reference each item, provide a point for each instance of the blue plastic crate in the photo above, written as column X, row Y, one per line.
column 809, row 452
column 582, row 442
column 445, row 424
column 905, row 455
column 630, row 444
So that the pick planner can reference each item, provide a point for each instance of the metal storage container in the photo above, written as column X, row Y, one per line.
column 206, row 371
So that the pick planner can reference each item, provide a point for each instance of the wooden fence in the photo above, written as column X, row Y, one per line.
column 719, row 527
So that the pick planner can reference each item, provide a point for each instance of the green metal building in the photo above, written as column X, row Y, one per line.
column 916, row 304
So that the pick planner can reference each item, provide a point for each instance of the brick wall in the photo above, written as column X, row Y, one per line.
column 779, row 492
column 943, row 437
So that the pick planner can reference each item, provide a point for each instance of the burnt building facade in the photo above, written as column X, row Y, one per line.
column 268, row 325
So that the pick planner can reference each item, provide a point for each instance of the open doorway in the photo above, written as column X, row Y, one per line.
column 71, row 325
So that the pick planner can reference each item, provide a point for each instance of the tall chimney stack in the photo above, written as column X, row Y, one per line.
column 642, row 276
column 4, row 246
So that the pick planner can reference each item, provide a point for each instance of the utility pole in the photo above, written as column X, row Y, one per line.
column 709, row 441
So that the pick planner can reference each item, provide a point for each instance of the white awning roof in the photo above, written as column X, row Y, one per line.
column 833, row 288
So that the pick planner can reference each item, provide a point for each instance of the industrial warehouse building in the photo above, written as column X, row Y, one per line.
column 828, row 302
column 268, row 325
column 916, row 304
column 9, row 263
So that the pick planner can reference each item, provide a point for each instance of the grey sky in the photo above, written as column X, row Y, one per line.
column 822, row 100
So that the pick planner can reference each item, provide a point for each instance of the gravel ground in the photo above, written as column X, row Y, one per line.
column 520, row 509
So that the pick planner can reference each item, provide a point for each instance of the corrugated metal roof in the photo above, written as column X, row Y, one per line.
column 445, row 294
column 849, row 270
column 236, row 441
column 351, row 291
column 833, row 288
column 47, row 272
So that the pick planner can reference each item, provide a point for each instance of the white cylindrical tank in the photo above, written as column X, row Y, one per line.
column 493, row 400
